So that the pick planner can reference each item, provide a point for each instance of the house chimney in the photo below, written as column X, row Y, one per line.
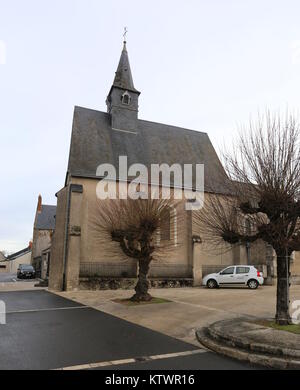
column 39, row 206
column 30, row 245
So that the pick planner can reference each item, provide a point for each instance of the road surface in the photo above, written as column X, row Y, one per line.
column 46, row 331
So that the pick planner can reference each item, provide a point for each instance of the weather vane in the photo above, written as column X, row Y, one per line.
column 125, row 33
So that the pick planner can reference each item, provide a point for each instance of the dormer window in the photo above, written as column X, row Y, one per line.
column 126, row 98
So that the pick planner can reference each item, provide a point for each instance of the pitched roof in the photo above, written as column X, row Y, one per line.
column 18, row 254
column 94, row 142
column 45, row 220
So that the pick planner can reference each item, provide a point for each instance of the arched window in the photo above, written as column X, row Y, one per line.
column 165, row 229
column 168, row 229
column 126, row 98
column 248, row 227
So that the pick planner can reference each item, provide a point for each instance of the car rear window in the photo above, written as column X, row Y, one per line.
column 27, row 267
column 242, row 270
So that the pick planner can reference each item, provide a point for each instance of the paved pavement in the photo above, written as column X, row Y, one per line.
column 12, row 278
column 190, row 308
column 47, row 331
column 10, row 282
column 7, row 277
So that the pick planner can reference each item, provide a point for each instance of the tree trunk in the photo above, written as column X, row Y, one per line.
column 282, row 304
column 142, row 287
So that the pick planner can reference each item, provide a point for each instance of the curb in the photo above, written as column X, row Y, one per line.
column 245, row 356
column 260, row 348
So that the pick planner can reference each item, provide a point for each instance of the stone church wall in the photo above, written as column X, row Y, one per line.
column 105, row 259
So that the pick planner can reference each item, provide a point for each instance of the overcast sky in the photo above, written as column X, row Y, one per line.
column 204, row 65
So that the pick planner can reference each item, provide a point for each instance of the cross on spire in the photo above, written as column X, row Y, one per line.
column 125, row 34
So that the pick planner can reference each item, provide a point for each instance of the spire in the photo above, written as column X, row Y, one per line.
column 123, row 78
column 123, row 99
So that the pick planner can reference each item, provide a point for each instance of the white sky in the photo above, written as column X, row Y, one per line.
column 204, row 65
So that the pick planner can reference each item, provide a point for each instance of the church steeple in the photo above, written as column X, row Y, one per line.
column 122, row 100
column 123, row 78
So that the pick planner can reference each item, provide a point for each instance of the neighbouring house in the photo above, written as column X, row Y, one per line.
column 4, row 266
column 21, row 257
column 102, row 137
column 44, row 225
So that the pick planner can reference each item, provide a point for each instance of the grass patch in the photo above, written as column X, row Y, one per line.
column 293, row 328
column 128, row 302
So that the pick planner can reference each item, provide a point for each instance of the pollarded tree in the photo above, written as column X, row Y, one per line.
column 264, row 172
column 135, row 225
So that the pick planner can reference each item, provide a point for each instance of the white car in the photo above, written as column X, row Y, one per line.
column 235, row 275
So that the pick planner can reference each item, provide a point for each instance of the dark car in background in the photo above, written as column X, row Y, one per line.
column 26, row 271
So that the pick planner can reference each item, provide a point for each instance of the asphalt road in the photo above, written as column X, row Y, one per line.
column 45, row 331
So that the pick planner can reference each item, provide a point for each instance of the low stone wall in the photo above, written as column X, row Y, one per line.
column 97, row 283
column 129, row 270
column 170, row 271
column 108, row 270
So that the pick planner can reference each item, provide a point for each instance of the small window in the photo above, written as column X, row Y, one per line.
column 228, row 271
column 165, row 233
column 126, row 98
column 2, row 266
column 242, row 270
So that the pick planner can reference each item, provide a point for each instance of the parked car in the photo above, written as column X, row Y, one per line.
column 26, row 271
column 235, row 275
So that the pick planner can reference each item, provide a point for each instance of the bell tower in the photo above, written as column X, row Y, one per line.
column 122, row 100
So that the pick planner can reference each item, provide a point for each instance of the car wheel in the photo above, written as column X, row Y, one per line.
column 211, row 283
column 253, row 284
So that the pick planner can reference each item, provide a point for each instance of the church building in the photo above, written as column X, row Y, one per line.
column 101, row 138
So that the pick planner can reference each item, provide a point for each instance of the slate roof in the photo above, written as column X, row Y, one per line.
column 123, row 78
column 94, row 142
column 46, row 219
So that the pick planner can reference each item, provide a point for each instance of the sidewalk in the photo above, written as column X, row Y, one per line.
column 246, row 340
column 190, row 308
column 19, row 286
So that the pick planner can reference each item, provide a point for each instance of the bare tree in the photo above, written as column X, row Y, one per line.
column 135, row 226
column 263, row 190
